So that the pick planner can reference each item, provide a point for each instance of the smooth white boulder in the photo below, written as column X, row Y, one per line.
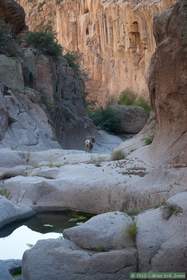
column 109, row 231
column 62, row 259
column 162, row 241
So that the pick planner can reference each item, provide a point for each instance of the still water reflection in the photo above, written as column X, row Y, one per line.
column 18, row 237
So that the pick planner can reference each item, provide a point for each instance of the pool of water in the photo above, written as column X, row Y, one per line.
column 16, row 238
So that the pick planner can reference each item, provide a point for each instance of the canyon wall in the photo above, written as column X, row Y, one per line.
column 41, row 96
column 115, row 39
column 168, row 84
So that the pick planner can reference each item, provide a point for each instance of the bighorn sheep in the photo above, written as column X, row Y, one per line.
column 89, row 143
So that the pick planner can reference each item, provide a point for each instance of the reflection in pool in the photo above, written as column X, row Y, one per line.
column 18, row 237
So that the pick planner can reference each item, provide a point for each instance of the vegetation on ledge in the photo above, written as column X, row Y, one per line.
column 45, row 42
column 106, row 119
column 128, row 97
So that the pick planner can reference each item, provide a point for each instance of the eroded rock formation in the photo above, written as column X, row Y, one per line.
column 168, row 84
column 115, row 39
column 41, row 98
column 13, row 13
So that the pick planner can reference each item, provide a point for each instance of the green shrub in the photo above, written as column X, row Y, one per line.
column 118, row 155
column 106, row 119
column 15, row 272
column 148, row 140
column 132, row 231
column 169, row 210
column 128, row 97
column 5, row 193
column 45, row 42
column 99, row 249
column 72, row 60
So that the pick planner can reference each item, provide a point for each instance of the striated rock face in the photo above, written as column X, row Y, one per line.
column 168, row 84
column 13, row 14
column 115, row 39
column 41, row 98
column 61, row 92
column 41, row 101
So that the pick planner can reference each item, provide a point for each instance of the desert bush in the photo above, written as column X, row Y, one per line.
column 132, row 231
column 148, row 140
column 72, row 60
column 106, row 119
column 128, row 97
column 45, row 42
column 118, row 155
column 5, row 193
column 169, row 210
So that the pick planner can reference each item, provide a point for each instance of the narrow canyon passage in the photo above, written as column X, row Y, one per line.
column 93, row 162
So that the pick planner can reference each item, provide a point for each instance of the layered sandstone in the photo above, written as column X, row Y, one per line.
column 115, row 39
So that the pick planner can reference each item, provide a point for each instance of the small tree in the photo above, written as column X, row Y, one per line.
column 106, row 119
column 127, row 97
column 45, row 42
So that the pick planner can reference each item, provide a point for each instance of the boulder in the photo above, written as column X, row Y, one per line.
column 132, row 118
column 104, row 232
column 172, row 255
column 71, row 189
column 10, row 212
column 161, row 240
column 178, row 201
column 139, row 140
column 62, row 259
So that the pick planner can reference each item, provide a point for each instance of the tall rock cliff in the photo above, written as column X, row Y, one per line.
column 41, row 96
column 168, row 85
column 115, row 39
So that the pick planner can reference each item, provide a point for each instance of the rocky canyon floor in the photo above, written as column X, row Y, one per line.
column 135, row 192
column 144, row 206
